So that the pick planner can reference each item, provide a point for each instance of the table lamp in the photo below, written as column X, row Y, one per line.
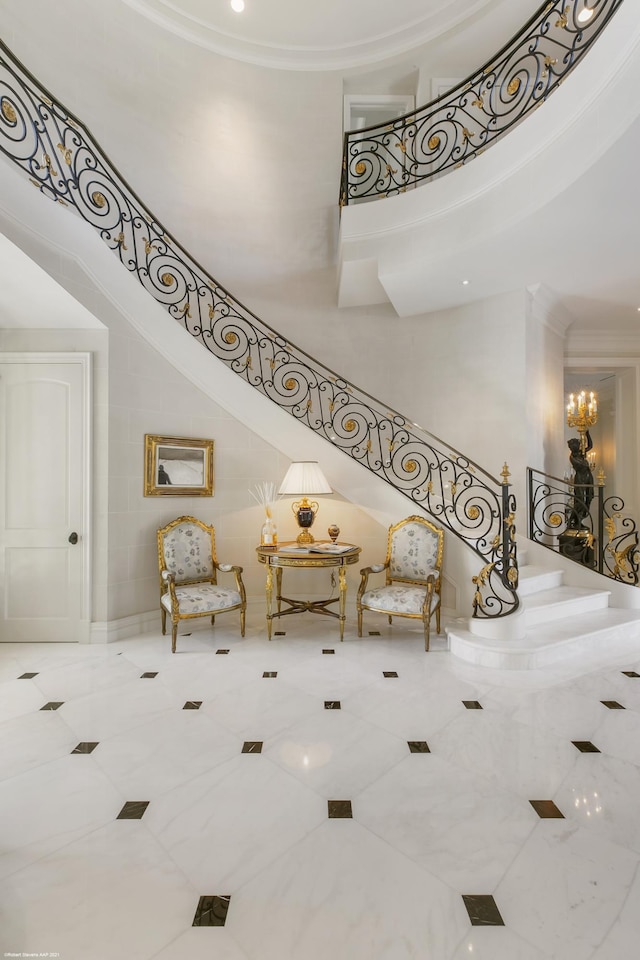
column 304, row 479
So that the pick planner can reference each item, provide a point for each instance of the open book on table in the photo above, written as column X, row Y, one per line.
column 323, row 546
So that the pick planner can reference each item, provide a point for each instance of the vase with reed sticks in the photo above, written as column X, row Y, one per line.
column 265, row 495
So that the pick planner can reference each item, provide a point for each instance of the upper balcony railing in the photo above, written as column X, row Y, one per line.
column 390, row 158
column 64, row 162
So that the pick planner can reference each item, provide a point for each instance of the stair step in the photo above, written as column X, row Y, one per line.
column 533, row 579
column 584, row 640
column 561, row 602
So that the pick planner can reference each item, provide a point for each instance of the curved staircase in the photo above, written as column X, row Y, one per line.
column 560, row 621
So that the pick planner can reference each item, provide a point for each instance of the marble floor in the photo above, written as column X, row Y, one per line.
column 306, row 799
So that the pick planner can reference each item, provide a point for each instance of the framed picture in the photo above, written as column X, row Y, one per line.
column 177, row 467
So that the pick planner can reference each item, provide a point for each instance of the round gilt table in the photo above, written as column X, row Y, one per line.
column 290, row 555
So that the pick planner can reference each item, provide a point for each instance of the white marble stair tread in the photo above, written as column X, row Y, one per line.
column 597, row 633
column 562, row 602
column 535, row 578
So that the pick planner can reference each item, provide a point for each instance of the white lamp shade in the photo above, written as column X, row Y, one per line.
column 304, row 479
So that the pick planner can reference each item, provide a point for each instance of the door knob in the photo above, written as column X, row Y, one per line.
column 73, row 538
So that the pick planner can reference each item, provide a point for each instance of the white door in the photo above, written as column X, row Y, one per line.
column 44, row 497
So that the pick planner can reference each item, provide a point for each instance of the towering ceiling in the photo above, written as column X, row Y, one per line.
column 333, row 34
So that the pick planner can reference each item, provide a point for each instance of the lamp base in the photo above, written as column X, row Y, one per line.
column 305, row 513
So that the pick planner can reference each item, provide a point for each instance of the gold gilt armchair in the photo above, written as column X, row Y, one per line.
column 188, row 576
column 413, row 575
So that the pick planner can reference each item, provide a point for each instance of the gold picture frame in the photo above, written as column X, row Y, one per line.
column 177, row 467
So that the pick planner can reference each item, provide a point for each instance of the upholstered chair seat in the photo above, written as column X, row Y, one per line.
column 412, row 575
column 398, row 600
column 188, row 576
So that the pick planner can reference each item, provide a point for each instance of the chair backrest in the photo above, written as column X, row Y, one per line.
column 186, row 548
column 414, row 550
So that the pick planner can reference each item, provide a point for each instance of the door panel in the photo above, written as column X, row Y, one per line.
column 43, row 450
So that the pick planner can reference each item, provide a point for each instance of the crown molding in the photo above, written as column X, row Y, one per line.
column 544, row 307
column 603, row 343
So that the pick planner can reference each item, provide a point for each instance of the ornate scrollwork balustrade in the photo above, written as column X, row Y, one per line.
column 63, row 162
column 582, row 523
column 388, row 159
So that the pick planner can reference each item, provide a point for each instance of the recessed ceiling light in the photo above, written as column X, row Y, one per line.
column 237, row 5
column 585, row 15
column 465, row 283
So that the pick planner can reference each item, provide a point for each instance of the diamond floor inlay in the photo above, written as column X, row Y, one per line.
column 546, row 810
column 53, row 705
column 211, row 912
column 508, row 804
column 133, row 810
column 482, row 910
column 585, row 746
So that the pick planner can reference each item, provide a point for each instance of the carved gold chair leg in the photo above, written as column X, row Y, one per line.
column 174, row 636
column 242, row 622
column 163, row 614
column 359, row 623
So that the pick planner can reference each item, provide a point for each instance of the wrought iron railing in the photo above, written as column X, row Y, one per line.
column 581, row 522
column 387, row 159
column 64, row 162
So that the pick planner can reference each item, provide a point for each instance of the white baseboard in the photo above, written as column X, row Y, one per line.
column 108, row 631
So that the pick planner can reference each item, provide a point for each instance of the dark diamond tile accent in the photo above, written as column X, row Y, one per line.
column 389, row 673
column 270, row 673
column 613, row 704
column 27, row 676
column 482, row 910
column 133, row 810
column 418, row 746
column 280, row 633
column 185, row 634
column 222, row 651
column 627, row 673
column 328, row 651
column 149, row 675
column 547, row 810
column 340, row 809
column 52, row 705
column 192, row 705
column 585, row 746
column 211, row 912
column 252, row 746
column 374, row 633
column 85, row 746
column 472, row 704
column 332, row 705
